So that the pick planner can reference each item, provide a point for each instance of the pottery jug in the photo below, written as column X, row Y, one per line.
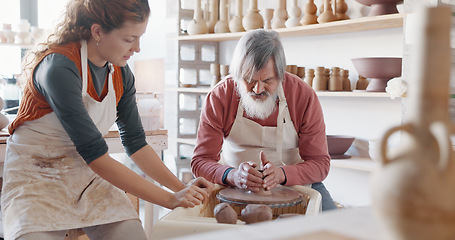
column 198, row 25
column 253, row 19
column 413, row 192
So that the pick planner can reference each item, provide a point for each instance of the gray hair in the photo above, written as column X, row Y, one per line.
column 253, row 51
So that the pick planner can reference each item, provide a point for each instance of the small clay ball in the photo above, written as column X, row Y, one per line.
column 254, row 213
column 224, row 213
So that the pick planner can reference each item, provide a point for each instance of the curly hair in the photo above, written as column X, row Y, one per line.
column 77, row 20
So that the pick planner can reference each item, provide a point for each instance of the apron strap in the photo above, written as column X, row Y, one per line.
column 84, row 64
column 280, row 122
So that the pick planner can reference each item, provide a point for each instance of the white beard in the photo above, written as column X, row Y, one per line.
column 255, row 108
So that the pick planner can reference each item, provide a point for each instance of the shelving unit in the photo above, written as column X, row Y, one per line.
column 199, row 88
column 353, row 25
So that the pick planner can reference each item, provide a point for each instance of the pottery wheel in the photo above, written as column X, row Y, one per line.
column 279, row 196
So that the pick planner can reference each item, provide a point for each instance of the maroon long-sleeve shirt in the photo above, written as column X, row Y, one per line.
column 218, row 115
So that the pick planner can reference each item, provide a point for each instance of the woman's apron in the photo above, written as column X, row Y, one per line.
column 247, row 139
column 47, row 185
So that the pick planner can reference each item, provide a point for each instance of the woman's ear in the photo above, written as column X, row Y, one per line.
column 96, row 31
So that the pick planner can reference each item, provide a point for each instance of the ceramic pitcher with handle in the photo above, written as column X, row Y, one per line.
column 413, row 192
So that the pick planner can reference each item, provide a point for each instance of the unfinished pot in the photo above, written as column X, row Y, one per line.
column 379, row 70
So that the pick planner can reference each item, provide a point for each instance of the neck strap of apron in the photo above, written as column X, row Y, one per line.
column 84, row 65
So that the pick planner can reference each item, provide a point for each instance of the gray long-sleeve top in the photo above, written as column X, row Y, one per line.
column 57, row 78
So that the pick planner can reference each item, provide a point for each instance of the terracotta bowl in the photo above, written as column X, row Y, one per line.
column 338, row 145
column 381, row 7
column 379, row 70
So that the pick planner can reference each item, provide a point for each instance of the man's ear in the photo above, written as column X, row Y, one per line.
column 96, row 31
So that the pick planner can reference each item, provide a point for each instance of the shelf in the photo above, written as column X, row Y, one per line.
column 25, row 46
column 355, row 163
column 352, row 25
column 190, row 90
column 189, row 141
column 352, row 94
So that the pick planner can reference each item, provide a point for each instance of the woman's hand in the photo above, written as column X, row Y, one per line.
column 188, row 197
column 203, row 184
column 245, row 177
column 273, row 175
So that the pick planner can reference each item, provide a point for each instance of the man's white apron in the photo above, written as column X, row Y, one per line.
column 248, row 138
column 47, row 186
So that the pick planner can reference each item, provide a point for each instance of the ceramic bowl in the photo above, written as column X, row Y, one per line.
column 381, row 7
column 338, row 145
column 379, row 70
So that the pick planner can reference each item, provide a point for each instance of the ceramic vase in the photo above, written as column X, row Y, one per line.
column 346, row 81
column 280, row 15
column 267, row 14
column 222, row 26
column 309, row 76
column 341, row 10
column 362, row 83
column 413, row 192
column 335, row 81
column 213, row 16
column 327, row 15
column 198, row 25
column 319, row 80
column 309, row 16
column 253, row 19
column 294, row 13
column 235, row 25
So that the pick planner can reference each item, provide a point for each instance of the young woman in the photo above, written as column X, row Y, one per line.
column 58, row 174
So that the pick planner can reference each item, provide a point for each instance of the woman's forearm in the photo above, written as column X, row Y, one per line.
column 126, row 179
column 151, row 164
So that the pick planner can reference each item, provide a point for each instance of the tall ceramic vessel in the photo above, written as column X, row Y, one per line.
column 198, row 25
column 222, row 26
column 280, row 15
column 253, row 19
column 309, row 16
column 213, row 16
column 413, row 192
column 327, row 15
column 235, row 25
column 294, row 13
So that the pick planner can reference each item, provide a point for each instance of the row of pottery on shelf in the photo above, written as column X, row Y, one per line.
column 218, row 71
column 324, row 80
column 275, row 18
column 23, row 34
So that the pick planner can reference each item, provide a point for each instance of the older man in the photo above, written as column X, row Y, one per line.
column 262, row 117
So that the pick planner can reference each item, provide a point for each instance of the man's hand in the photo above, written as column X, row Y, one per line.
column 273, row 175
column 245, row 177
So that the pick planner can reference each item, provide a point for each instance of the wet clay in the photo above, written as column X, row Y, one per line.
column 254, row 213
column 224, row 213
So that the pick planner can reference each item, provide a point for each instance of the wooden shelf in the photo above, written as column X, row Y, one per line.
column 356, row 163
column 189, row 141
column 25, row 46
column 352, row 25
column 353, row 94
column 190, row 90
